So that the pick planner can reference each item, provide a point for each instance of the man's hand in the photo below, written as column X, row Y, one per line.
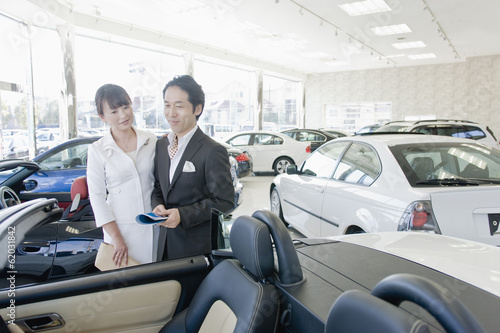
column 173, row 220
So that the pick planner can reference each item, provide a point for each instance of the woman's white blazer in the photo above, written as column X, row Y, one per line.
column 119, row 190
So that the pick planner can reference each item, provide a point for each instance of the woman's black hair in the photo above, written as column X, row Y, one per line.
column 112, row 94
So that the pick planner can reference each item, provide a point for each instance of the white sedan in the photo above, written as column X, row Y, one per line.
column 390, row 182
column 271, row 151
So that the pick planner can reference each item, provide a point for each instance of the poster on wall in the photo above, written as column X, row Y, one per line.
column 351, row 116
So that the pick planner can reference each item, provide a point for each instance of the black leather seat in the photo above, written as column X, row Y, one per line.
column 235, row 296
column 423, row 167
column 474, row 171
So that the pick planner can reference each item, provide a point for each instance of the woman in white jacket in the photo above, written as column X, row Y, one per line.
column 120, row 178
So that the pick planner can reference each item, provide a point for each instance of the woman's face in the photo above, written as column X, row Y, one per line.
column 119, row 119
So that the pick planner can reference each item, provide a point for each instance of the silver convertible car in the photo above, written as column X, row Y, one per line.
column 264, row 282
column 394, row 182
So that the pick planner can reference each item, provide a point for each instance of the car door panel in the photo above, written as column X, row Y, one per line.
column 143, row 308
column 136, row 299
column 303, row 214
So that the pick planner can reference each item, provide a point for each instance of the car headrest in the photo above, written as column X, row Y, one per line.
column 80, row 186
column 358, row 311
column 251, row 244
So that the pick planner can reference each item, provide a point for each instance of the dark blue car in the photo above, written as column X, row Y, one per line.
column 61, row 165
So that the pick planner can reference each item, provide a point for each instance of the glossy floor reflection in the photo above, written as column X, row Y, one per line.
column 256, row 196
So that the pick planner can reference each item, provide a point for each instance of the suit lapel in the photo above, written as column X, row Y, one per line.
column 193, row 146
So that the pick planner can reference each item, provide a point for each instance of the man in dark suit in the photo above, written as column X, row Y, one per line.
column 192, row 174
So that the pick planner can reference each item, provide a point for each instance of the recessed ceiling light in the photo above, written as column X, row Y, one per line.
column 391, row 30
column 422, row 56
column 409, row 45
column 365, row 7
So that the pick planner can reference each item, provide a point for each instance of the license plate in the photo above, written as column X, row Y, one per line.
column 494, row 220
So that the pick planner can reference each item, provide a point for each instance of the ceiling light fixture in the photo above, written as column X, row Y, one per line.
column 409, row 45
column 390, row 30
column 351, row 38
column 422, row 56
column 365, row 7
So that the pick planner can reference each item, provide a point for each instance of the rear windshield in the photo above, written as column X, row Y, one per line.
column 448, row 164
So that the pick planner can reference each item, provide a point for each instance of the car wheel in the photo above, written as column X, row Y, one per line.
column 276, row 205
column 281, row 164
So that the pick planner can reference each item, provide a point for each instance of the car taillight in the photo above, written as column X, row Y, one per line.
column 418, row 216
column 308, row 149
column 242, row 157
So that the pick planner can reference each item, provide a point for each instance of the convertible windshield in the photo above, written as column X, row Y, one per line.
column 7, row 174
column 448, row 164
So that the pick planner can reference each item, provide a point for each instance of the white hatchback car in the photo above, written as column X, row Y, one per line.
column 394, row 182
column 271, row 151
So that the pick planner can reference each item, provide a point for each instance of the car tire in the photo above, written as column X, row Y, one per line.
column 281, row 164
column 276, row 205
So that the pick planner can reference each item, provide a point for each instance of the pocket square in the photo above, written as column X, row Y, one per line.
column 188, row 167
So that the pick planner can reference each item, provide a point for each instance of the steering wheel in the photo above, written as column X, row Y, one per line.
column 8, row 197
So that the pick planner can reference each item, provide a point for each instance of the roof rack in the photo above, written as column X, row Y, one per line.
column 391, row 133
column 445, row 120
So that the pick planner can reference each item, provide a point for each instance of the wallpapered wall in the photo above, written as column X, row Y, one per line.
column 468, row 90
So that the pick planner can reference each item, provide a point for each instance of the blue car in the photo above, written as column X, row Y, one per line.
column 61, row 165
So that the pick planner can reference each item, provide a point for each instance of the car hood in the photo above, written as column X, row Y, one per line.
column 472, row 262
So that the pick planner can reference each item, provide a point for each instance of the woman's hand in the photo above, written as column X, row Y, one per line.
column 120, row 254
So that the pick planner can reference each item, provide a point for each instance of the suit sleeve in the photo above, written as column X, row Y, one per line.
column 157, row 195
column 219, row 187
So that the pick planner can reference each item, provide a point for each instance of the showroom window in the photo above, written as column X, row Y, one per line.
column 230, row 97
column 141, row 72
column 280, row 103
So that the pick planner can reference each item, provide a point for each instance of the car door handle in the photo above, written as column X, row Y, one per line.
column 319, row 189
column 33, row 247
column 38, row 323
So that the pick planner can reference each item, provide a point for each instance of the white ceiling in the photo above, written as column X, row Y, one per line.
column 307, row 36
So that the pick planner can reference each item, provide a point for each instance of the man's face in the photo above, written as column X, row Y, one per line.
column 179, row 111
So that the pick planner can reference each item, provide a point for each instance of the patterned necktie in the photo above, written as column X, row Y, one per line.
column 172, row 149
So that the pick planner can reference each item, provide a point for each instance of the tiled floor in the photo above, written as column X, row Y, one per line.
column 256, row 196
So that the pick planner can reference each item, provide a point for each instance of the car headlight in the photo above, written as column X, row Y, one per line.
column 419, row 216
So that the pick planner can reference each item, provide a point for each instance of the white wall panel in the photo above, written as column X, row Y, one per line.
column 468, row 90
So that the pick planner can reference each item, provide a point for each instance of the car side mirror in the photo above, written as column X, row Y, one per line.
column 292, row 169
column 30, row 184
